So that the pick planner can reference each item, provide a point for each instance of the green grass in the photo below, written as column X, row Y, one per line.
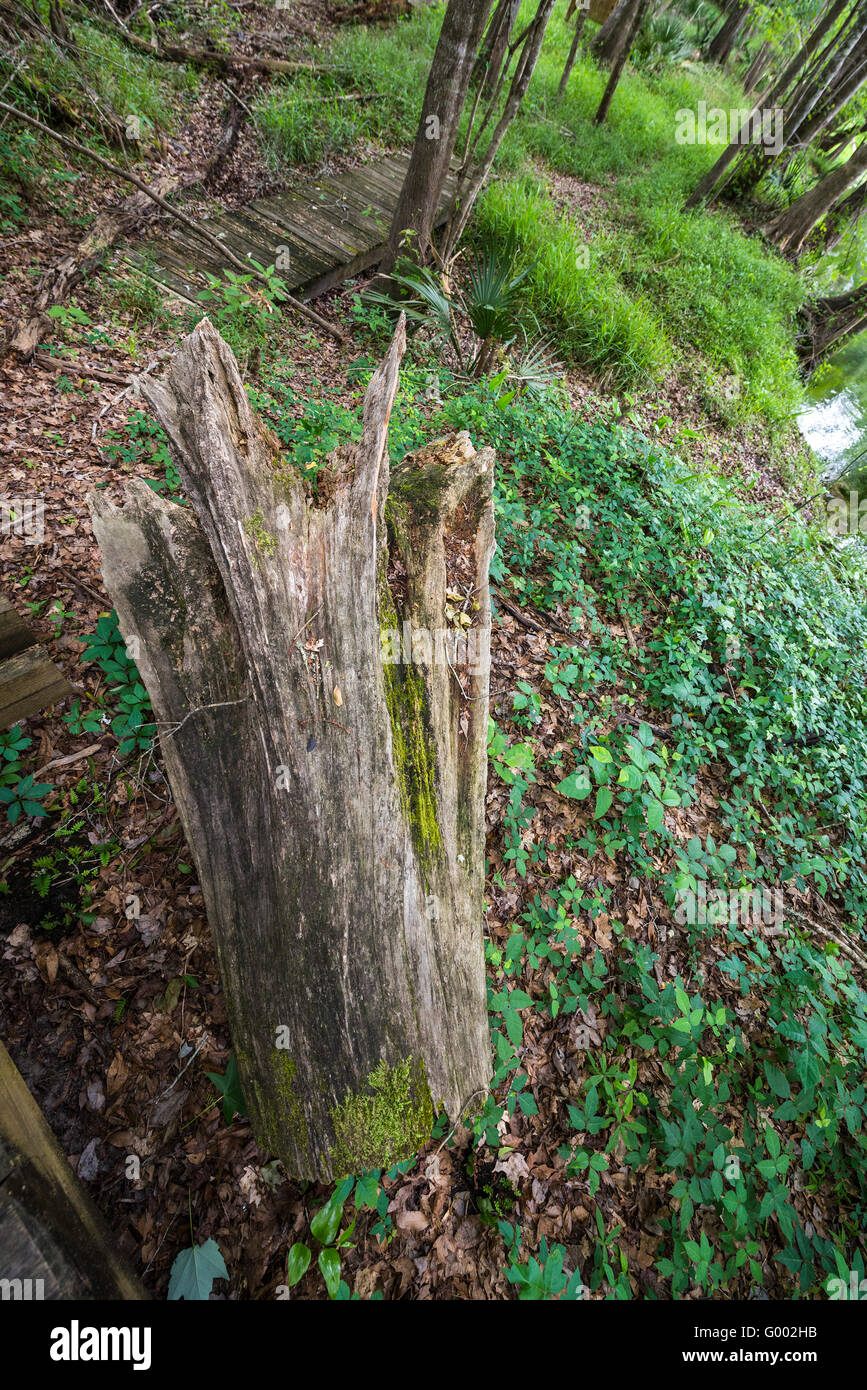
column 592, row 318
column 125, row 83
column 664, row 290
column 727, row 302
column 298, row 125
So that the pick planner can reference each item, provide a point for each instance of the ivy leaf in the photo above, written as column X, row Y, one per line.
column 604, row 798
column 326, row 1221
column 298, row 1263
column 520, row 999
column 229, row 1086
column 576, row 785
column 194, row 1272
column 601, row 754
column 777, row 1081
column 329, row 1263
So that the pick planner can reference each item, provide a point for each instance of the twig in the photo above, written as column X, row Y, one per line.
column 854, row 952
column 219, row 704
column 532, row 623
column 73, row 578
column 70, row 758
column 181, row 1072
column 302, row 629
column 195, row 227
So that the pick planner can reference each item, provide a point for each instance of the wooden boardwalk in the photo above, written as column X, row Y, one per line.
column 323, row 232
column 29, row 681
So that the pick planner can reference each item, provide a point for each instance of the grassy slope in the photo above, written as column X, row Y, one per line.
column 662, row 289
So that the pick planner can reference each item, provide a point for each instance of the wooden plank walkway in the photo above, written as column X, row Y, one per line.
column 29, row 680
column 323, row 232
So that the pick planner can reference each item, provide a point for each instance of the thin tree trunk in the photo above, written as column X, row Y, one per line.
column 573, row 51
column 57, row 22
column 447, row 86
column 723, row 42
column 791, row 229
column 474, row 175
column 631, row 27
column 607, row 39
column 757, row 68
column 329, row 776
column 713, row 177
column 486, row 69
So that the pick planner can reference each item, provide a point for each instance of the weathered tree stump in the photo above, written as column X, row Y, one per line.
column 330, row 786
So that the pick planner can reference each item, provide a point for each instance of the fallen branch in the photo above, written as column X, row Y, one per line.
column 178, row 216
column 121, row 220
column 68, row 364
column 79, row 981
column 203, row 57
column 532, row 624
column 70, row 758
column 848, row 947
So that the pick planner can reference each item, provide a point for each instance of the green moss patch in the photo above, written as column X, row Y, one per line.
column 388, row 1124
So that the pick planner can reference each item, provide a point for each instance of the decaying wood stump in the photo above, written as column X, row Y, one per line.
column 324, row 731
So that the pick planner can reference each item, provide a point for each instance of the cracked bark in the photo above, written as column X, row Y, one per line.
column 333, row 802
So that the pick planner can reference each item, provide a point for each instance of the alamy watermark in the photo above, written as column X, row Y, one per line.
column 748, row 907
column 446, row 646
column 716, row 126
column 847, row 518
column 24, row 517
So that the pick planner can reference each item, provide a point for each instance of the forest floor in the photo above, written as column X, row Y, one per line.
column 115, row 1021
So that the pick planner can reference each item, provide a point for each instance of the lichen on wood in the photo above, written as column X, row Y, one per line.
column 333, row 802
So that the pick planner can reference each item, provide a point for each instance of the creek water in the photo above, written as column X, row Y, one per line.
column 834, row 420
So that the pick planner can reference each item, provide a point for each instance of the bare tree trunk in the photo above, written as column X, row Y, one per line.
column 330, row 776
column 791, row 229
column 486, row 69
column 723, row 42
column 830, row 322
column 713, row 177
column 631, row 27
column 845, row 216
column 57, row 22
column 447, row 86
column 478, row 167
column 607, row 41
column 573, row 51
column 757, row 68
